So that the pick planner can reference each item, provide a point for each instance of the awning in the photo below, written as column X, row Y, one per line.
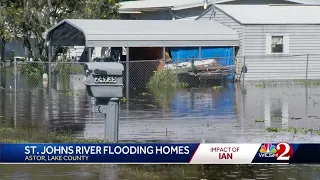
column 141, row 33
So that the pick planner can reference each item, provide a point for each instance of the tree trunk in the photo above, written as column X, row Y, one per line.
column 29, row 47
column 3, row 50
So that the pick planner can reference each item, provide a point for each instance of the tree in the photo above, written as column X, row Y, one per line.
column 6, row 33
column 31, row 18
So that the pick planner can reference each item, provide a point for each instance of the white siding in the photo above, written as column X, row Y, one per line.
column 302, row 39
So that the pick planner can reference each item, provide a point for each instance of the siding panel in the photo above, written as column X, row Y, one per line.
column 303, row 40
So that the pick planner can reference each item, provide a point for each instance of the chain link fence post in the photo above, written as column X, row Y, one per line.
column 243, row 74
column 15, row 92
column 176, row 75
column 307, row 67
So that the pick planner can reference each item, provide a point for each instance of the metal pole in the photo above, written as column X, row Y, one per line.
column 112, row 120
column 89, row 54
column 164, row 55
column 15, row 92
column 307, row 66
column 199, row 54
column 306, row 85
column 234, row 63
column 50, row 52
column 243, row 74
column 127, row 79
column 127, row 72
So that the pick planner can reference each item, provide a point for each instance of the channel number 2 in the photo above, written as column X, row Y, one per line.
column 285, row 151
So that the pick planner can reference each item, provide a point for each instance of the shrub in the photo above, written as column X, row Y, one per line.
column 165, row 79
column 32, row 68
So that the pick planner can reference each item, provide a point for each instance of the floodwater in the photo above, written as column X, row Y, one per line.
column 236, row 113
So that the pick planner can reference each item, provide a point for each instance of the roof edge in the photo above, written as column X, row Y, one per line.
column 215, row 6
column 227, row 14
column 177, row 7
column 68, row 21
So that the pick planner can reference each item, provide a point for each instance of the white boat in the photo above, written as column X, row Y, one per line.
column 202, row 63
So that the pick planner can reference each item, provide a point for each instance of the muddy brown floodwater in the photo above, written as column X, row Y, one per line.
column 233, row 114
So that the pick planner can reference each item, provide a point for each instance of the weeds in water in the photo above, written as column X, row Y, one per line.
column 258, row 120
column 73, row 94
column 287, row 84
column 217, row 87
column 165, row 79
column 308, row 83
column 145, row 94
column 123, row 99
column 295, row 130
column 260, row 85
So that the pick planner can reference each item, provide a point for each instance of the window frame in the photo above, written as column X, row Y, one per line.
column 285, row 43
column 282, row 45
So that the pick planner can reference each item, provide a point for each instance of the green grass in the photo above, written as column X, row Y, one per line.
column 165, row 79
column 68, row 68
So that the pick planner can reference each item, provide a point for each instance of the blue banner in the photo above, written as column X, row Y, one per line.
column 97, row 153
column 204, row 153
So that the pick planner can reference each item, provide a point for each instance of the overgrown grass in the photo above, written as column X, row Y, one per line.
column 68, row 68
column 10, row 135
column 165, row 79
column 33, row 69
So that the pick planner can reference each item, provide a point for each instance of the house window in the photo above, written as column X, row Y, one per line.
column 277, row 44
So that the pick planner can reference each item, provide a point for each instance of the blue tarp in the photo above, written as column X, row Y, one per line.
column 219, row 103
column 224, row 55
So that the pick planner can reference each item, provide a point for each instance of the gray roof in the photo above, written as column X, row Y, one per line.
column 273, row 14
column 137, row 6
column 162, row 4
column 141, row 33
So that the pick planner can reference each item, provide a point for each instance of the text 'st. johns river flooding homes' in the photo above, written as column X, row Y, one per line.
column 194, row 71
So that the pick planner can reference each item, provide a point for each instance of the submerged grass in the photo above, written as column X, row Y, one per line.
column 289, row 83
column 295, row 130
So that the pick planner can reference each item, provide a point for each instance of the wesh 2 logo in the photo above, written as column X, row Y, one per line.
column 281, row 151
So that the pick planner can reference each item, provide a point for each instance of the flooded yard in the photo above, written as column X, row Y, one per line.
column 234, row 113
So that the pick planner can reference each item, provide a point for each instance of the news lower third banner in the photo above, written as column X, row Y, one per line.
column 277, row 153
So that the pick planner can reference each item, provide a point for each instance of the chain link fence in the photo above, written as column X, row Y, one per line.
column 173, row 73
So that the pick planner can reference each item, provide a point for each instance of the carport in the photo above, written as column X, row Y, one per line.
column 139, row 33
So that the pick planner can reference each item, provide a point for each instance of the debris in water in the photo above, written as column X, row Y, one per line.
column 293, row 118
